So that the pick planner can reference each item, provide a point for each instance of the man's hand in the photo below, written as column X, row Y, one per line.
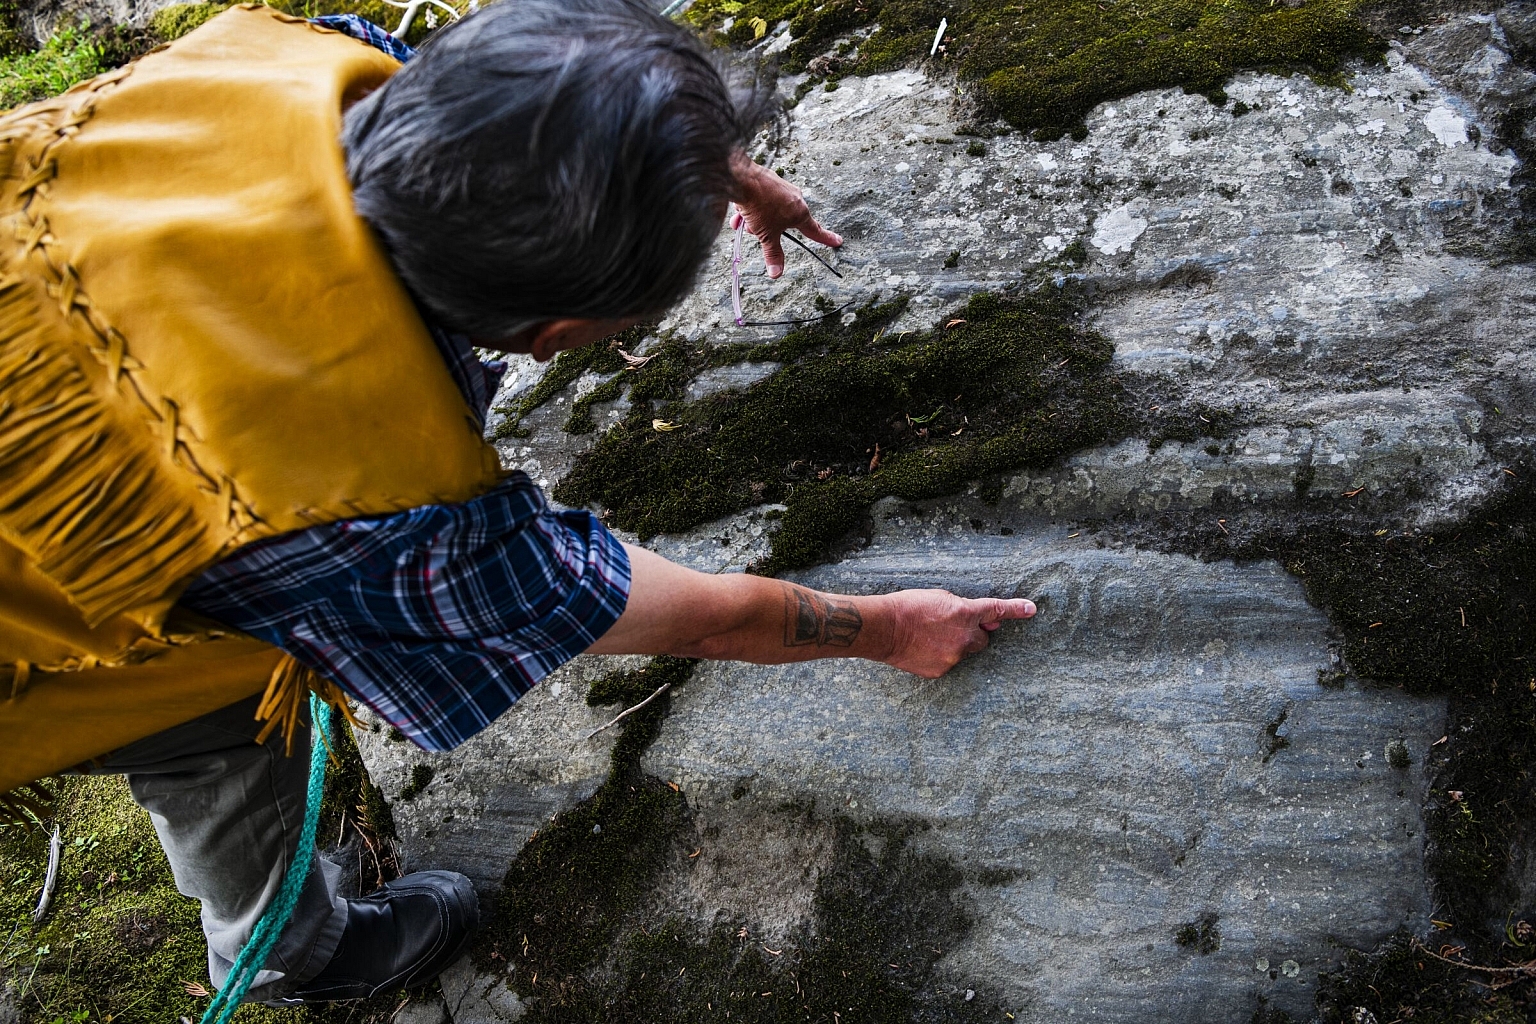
column 934, row 629
column 736, row 617
column 769, row 206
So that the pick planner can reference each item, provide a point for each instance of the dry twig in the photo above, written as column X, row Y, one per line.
column 663, row 688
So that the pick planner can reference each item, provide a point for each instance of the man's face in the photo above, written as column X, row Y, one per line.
column 543, row 341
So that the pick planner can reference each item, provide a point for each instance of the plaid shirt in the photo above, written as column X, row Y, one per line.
column 441, row 617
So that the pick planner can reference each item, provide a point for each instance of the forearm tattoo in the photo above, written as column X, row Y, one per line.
column 810, row 618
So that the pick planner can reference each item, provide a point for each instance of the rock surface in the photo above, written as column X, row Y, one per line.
column 1155, row 747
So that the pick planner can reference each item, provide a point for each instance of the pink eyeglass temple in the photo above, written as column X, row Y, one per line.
column 741, row 227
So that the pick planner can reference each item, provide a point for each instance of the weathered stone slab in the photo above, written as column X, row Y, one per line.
column 1155, row 746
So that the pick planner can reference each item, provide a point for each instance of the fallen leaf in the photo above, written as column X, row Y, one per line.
column 759, row 28
column 635, row 362
column 664, row 426
column 1455, row 795
column 194, row 989
column 953, row 323
column 775, row 952
column 874, row 463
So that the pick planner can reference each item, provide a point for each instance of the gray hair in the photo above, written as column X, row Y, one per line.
column 550, row 158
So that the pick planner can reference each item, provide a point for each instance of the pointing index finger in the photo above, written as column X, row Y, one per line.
column 810, row 228
column 1011, row 608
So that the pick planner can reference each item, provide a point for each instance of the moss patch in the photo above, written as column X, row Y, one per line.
column 857, row 413
column 576, row 882
column 177, row 20
column 883, row 920
column 78, row 52
column 1202, row 935
column 1398, row 981
column 602, row 357
column 72, row 55
column 576, row 936
column 121, row 942
column 1042, row 65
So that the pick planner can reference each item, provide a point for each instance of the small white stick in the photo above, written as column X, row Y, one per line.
column 943, row 24
column 411, row 7
column 663, row 688
column 55, row 855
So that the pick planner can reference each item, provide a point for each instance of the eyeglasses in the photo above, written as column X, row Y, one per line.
column 736, row 286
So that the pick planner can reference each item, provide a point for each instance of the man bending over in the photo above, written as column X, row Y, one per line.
column 243, row 441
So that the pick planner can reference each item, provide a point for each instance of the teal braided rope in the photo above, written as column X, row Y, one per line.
column 270, row 928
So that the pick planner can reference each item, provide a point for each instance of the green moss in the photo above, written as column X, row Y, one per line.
column 603, row 357
column 580, row 879
column 177, row 20
column 857, row 413
column 1399, row 981
column 72, row 55
column 882, row 921
column 14, row 36
column 421, row 777
column 121, row 942
column 78, row 52
column 1042, row 65
column 1450, row 612
column 575, row 936
column 1200, row 935
column 120, row 938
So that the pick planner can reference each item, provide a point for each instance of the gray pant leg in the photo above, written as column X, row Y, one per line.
column 229, row 812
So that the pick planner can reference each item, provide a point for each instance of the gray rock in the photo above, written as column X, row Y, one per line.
column 1119, row 753
column 488, row 796
column 1154, row 748
column 474, row 998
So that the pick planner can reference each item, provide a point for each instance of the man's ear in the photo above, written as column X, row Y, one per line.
column 551, row 338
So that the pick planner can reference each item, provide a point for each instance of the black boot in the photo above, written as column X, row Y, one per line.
column 401, row 936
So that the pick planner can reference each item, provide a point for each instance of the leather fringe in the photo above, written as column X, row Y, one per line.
column 93, row 508
column 287, row 693
column 26, row 804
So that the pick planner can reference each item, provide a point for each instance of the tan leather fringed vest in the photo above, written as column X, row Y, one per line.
column 201, row 345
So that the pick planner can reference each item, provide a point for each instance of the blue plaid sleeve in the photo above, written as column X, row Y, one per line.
column 367, row 32
column 438, row 618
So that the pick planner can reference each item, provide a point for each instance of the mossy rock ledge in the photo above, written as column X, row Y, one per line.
column 1251, row 419
column 1204, row 773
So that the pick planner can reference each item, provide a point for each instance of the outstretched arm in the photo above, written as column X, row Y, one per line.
column 737, row 617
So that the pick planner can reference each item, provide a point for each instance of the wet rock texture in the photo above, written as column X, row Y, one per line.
column 1161, row 813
